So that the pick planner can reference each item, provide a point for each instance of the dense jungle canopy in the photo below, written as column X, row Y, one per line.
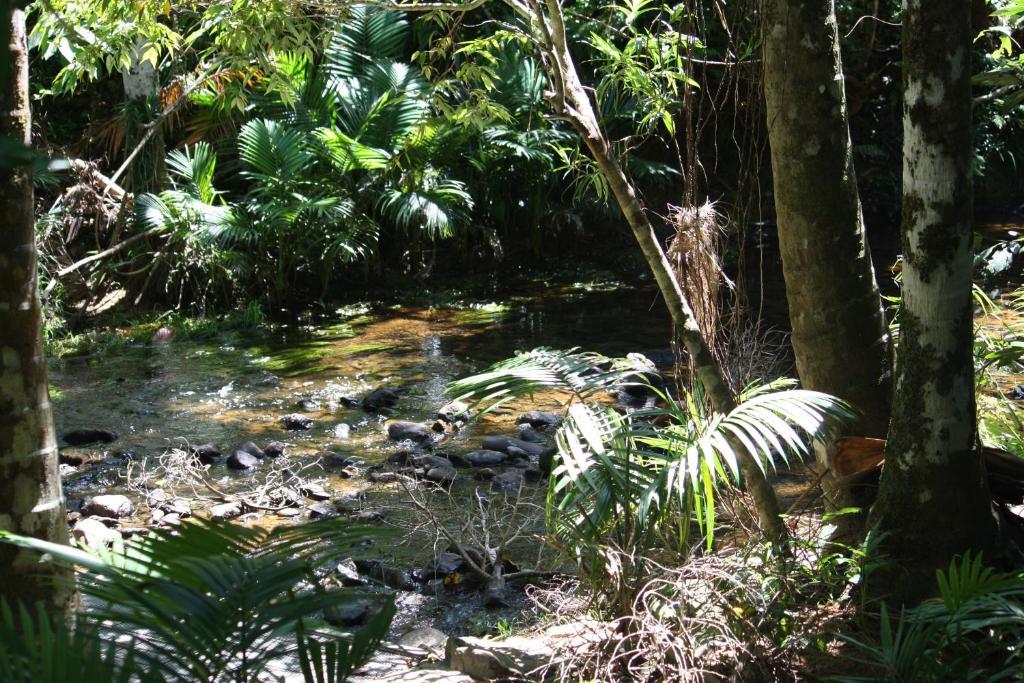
column 511, row 340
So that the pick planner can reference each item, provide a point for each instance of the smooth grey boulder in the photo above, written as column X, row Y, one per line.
column 379, row 399
column 409, row 431
column 109, row 505
column 241, row 460
column 92, row 533
column 486, row 458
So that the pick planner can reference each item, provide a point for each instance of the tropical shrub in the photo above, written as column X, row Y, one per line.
column 210, row 601
column 640, row 482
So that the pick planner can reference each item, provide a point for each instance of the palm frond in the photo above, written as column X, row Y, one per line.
column 215, row 600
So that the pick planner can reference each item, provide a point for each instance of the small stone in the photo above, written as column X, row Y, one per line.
column 486, row 473
column 240, row 460
column 226, row 510
column 274, row 449
column 350, row 502
column 321, row 510
column 164, row 335
column 454, row 411
column 425, row 638
column 171, row 519
column 92, row 533
column 289, row 512
column 342, row 430
column 297, row 422
column 314, row 491
column 350, row 472
column 349, row 575
column 111, row 505
column 370, row 515
column 308, row 404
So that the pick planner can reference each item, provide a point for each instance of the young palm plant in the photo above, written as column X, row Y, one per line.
column 640, row 481
column 209, row 602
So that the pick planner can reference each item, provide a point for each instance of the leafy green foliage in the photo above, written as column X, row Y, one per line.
column 973, row 632
column 638, row 480
column 210, row 602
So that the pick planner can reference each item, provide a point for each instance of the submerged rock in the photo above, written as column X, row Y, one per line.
column 296, row 422
column 512, row 480
column 84, row 437
column 504, row 443
column 540, row 420
column 207, row 453
column 336, row 460
column 274, row 449
column 379, row 399
column 308, row 404
column 109, row 505
column 252, row 449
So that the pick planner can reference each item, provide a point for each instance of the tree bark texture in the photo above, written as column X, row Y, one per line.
column 840, row 337
column 572, row 99
column 142, row 108
column 933, row 498
column 31, row 498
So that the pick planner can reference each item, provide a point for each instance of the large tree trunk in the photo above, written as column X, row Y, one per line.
column 839, row 332
column 31, row 498
column 933, row 500
column 571, row 98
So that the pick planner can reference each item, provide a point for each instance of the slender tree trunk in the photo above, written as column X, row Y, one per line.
column 31, row 498
column 142, row 106
column 572, row 99
column 933, row 500
column 840, row 337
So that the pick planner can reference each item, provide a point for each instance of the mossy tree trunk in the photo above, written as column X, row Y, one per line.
column 933, row 499
column 31, row 498
column 840, row 337
column 142, row 109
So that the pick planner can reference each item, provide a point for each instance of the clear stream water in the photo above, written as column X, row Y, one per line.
column 234, row 388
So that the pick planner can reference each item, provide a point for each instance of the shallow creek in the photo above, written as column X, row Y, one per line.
column 230, row 389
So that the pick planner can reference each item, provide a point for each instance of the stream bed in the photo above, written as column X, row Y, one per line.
column 227, row 388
